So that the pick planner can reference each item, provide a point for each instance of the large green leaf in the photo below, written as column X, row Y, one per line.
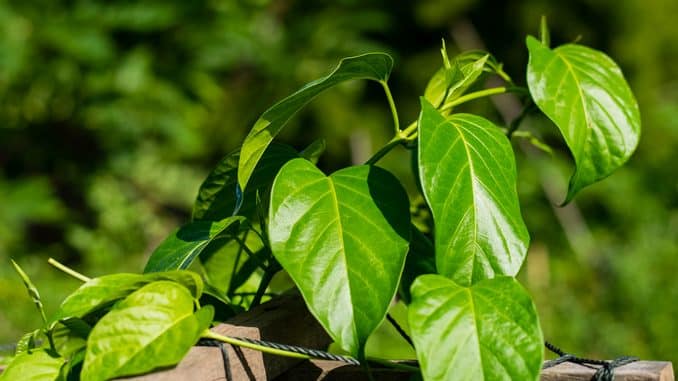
column 153, row 327
column 374, row 66
column 343, row 240
column 585, row 94
column 467, row 171
column 102, row 292
column 180, row 249
column 36, row 365
column 219, row 196
column 489, row 331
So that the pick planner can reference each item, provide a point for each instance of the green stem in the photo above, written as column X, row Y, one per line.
column 273, row 351
column 515, row 124
column 391, row 104
column 263, row 285
column 474, row 95
column 385, row 149
column 68, row 270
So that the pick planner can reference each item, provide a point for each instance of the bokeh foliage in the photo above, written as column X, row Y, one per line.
column 112, row 113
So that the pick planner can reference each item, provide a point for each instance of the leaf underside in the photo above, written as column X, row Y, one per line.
column 585, row 94
column 343, row 239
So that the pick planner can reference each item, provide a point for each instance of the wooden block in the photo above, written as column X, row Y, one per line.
column 337, row 371
column 635, row 371
column 283, row 320
column 334, row 371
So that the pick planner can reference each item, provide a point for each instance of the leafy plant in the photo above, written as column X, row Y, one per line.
column 347, row 239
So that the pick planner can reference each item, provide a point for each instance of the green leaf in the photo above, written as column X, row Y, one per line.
column 37, row 365
column 102, row 292
column 153, row 327
column 219, row 196
column 70, row 336
column 28, row 341
column 585, row 94
column 343, row 240
column 180, row 249
column 489, row 331
column 449, row 84
column 374, row 66
column 468, row 174
column 32, row 290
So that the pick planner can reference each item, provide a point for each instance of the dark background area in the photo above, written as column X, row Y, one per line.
column 113, row 112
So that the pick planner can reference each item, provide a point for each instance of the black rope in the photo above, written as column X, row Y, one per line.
column 301, row 350
column 605, row 371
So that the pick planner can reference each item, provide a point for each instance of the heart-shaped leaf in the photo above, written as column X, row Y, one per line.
column 343, row 239
column 36, row 365
column 489, row 331
column 180, row 249
column 373, row 66
column 468, row 174
column 585, row 94
column 153, row 327
column 219, row 196
column 102, row 292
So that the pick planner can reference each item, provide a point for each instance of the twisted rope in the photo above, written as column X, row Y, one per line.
column 605, row 372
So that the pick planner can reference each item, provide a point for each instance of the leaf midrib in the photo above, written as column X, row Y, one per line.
column 335, row 202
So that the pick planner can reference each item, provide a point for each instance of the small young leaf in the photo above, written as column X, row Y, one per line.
column 28, row 341
column 102, row 292
column 448, row 84
column 373, row 66
column 585, row 94
column 32, row 290
column 153, row 327
column 468, row 174
column 218, row 195
column 489, row 331
column 180, row 249
column 36, row 365
column 342, row 239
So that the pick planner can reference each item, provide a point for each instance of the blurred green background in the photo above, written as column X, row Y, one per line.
column 113, row 112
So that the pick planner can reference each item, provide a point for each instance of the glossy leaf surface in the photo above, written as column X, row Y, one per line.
column 585, row 94
column 489, row 331
column 102, row 292
column 219, row 196
column 37, row 365
column 373, row 66
column 343, row 239
column 154, row 326
column 180, row 249
column 467, row 171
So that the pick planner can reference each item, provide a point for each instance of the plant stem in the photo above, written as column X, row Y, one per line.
column 230, row 340
column 516, row 122
column 400, row 329
column 263, row 285
column 391, row 104
column 386, row 149
column 68, row 270
column 474, row 95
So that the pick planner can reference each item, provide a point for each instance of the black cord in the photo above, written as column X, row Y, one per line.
column 605, row 372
